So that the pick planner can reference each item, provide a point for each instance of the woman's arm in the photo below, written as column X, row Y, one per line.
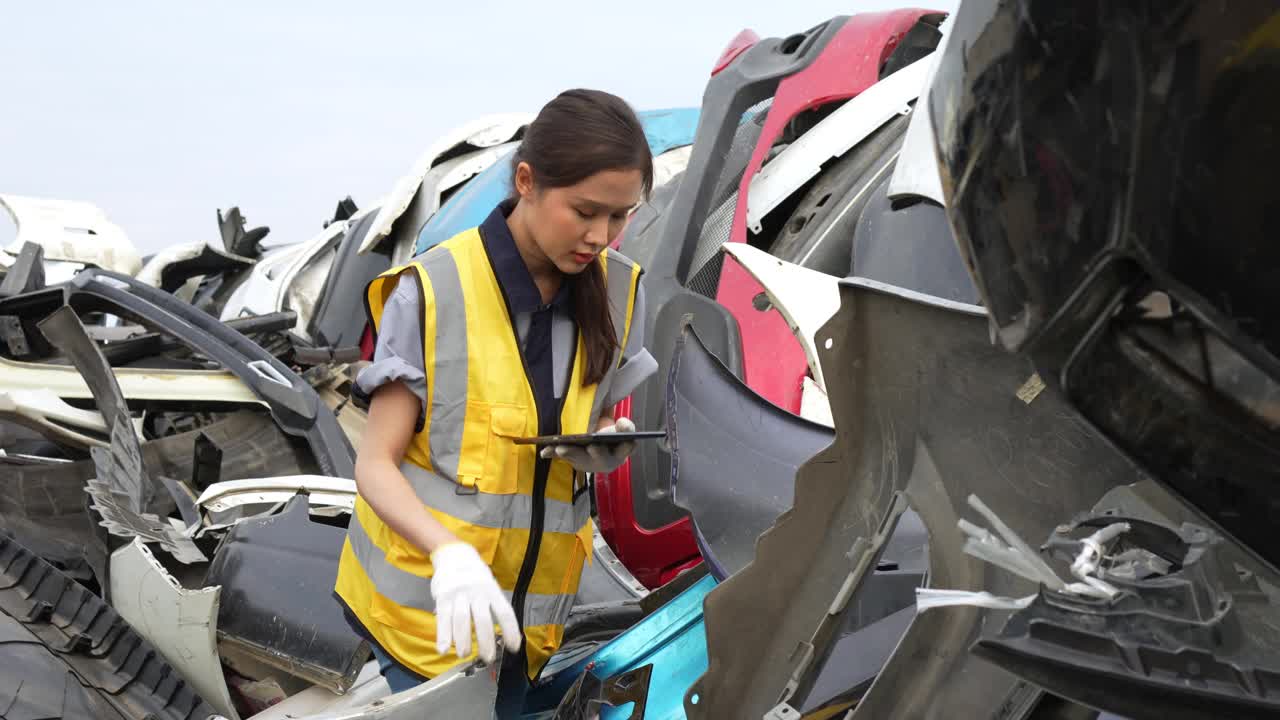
column 393, row 412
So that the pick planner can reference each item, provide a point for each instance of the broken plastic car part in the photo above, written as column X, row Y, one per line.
column 1145, row 294
column 47, row 413
column 734, row 455
column 294, row 404
column 850, row 67
column 122, row 488
column 670, row 641
column 926, row 412
column 467, row 208
column 665, row 243
column 276, row 574
column 417, row 195
column 337, row 318
column 70, row 231
column 331, row 492
column 137, row 384
column 264, row 289
column 1190, row 634
column 180, row 623
column 26, row 273
column 806, row 298
column 43, row 505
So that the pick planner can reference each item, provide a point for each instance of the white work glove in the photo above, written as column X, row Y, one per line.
column 597, row 457
column 465, row 593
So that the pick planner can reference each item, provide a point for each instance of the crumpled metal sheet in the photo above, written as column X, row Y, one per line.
column 926, row 412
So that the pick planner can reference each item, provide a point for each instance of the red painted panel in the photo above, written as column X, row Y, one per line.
column 774, row 364
column 650, row 555
column 738, row 45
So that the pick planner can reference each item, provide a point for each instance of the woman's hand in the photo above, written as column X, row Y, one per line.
column 597, row 457
column 466, row 593
column 462, row 586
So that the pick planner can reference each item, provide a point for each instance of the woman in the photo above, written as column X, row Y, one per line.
column 523, row 326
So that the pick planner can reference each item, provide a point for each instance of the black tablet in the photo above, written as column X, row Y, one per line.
column 612, row 438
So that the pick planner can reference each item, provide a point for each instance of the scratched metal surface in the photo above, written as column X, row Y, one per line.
column 928, row 411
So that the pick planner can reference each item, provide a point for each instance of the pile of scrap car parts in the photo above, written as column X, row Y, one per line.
column 821, row 116
column 194, row 475
column 107, row 497
column 926, row 413
column 1154, row 319
column 841, row 298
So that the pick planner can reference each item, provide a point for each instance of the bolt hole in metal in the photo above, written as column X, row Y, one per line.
column 694, row 698
column 761, row 302
column 828, row 344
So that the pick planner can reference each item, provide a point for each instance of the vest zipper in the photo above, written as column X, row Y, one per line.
column 541, row 474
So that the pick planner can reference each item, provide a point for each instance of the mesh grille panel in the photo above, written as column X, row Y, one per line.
column 704, row 270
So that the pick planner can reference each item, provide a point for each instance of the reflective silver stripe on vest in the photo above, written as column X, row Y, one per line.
column 449, row 371
column 492, row 510
column 619, row 293
column 409, row 590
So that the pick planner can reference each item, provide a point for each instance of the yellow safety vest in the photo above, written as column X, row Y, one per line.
column 465, row 468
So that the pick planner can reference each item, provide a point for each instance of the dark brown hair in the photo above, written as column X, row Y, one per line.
column 575, row 136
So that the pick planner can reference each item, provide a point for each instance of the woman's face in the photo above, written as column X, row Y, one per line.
column 571, row 225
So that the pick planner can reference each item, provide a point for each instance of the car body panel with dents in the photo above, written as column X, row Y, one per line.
column 70, row 231
column 466, row 151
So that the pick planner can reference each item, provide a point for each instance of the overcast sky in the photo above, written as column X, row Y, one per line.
column 162, row 112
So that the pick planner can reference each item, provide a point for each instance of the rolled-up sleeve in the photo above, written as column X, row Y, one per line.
column 637, row 363
column 398, row 353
